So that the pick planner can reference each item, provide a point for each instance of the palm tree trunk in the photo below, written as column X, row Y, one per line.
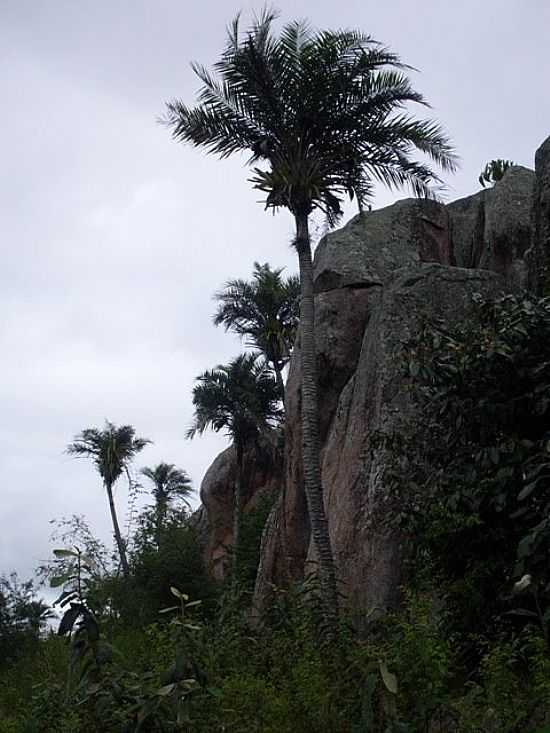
column 161, row 515
column 310, row 427
column 279, row 379
column 118, row 536
column 237, row 511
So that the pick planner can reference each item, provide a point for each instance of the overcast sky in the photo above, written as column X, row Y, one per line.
column 114, row 237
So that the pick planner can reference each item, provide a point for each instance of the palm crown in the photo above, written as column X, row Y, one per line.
column 240, row 398
column 323, row 110
column 169, row 484
column 264, row 311
column 112, row 449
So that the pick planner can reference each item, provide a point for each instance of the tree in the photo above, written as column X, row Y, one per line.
column 22, row 616
column 494, row 171
column 323, row 113
column 169, row 484
column 112, row 450
column 264, row 311
column 242, row 399
column 481, row 480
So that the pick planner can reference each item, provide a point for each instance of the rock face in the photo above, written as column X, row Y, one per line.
column 540, row 250
column 375, row 279
column 262, row 475
column 492, row 230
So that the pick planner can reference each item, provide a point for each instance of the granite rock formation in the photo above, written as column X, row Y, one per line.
column 214, row 520
column 375, row 279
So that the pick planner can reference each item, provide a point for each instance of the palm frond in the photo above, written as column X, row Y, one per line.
column 112, row 449
column 322, row 114
column 240, row 398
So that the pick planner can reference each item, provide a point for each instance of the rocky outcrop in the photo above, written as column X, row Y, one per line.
column 540, row 250
column 375, row 279
column 262, row 475
column 492, row 230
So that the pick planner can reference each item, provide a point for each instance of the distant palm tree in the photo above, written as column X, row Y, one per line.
column 169, row 484
column 323, row 113
column 494, row 171
column 265, row 312
column 112, row 450
column 242, row 399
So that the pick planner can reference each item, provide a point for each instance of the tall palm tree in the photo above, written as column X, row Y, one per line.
column 265, row 312
column 169, row 484
column 242, row 399
column 112, row 451
column 323, row 113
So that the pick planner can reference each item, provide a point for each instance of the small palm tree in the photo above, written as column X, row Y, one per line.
column 242, row 399
column 322, row 115
column 494, row 171
column 265, row 312
column 169, row 484
column 112, row 451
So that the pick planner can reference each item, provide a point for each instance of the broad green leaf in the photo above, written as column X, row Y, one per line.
column 65, row 598
column 166, row 690
column 69, row 618
column 522, row 612
column 65, row 553
column 58, row 580
column 389, row 679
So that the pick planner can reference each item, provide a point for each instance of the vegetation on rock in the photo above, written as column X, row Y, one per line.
column 242, row 399
column 264, row 312
column 324, row 113
column 146, row 642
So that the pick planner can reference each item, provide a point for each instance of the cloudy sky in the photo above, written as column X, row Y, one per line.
column 114, row 238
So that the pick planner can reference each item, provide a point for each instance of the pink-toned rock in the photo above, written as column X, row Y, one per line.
column 375, row 279
column 262, row 475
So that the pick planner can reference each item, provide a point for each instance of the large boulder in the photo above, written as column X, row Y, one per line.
column 375, row 280
column 262, row 476
column 540, row 250
column 492, row 229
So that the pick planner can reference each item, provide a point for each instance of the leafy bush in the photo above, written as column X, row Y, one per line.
column 481, row 482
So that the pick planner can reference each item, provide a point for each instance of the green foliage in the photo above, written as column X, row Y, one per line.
column 419, row 648
column 170, row 486
column 482, row 480
column 322, row 111
column 264, row 311
column 240, row 398
column 22, row 617
column 111, row 449
column 187, row 673
column 176, row 561
column 252, row 526
column 494, row 171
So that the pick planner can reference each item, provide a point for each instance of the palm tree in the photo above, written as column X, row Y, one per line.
column 264, row 311
column 169, row 484
column 323, row 113
column 494, row 171
column 112, row 450
column 242, row 399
